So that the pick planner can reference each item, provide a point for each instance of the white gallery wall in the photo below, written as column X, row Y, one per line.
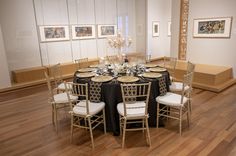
column 160, row 11
column 4, row 72
column 21, row 19
column 141, row 20
column 175, row 25
column 216, row 51
column 19, row 33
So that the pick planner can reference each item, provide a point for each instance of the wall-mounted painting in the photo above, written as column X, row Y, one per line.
column 107, row 31
column 54, row 33
column 169, row 28
column 83, row 31
column 212, row 27
column 155, row 29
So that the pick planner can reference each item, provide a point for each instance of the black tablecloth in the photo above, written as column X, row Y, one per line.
column 111, row 95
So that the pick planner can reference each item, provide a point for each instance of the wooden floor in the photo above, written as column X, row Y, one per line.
column 26, row 129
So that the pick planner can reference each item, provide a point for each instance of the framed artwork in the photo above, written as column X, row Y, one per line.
column 212, row 27
column 155, row 29
column 107, row 31
column 83, row 31
column 169, row 29
column 54, row 33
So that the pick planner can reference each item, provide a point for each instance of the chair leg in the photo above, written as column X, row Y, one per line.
column 53, row 120
column 120, row 124
column 104, row 121
column 123, row 137
column 72, row 128
column 158, row 114
column 180, row 121
column 56, row 123
column 143, row 124
column 190, row 105
column 188, row 115
column 147, row 131
column 85, row 124
column 91, row 131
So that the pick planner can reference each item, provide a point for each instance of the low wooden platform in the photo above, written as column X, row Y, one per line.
column 208, row 77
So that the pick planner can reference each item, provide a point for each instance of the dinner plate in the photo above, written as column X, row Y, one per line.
column 127, row 79
column 94, row 66
column 84, row 70
column 102, row 78
column 151, row 75
column 157, row 69
column 84, row 75
column 150, row 65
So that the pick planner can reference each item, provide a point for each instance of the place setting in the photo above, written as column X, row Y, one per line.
column 157, row 69
column 102, row 78
column 85, row 75
column 85, row 70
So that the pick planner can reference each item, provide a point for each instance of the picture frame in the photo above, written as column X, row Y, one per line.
column 54, row 33
column 212, row 27
column 155, row 28
column 106, row 30
column 169, row 28
column 83, row 32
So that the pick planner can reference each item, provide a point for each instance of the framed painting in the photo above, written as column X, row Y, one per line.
column 169, row 28
column 155, row 29
column 107, row 31
column 212, row 27
column 54, row 33
column 83, row 32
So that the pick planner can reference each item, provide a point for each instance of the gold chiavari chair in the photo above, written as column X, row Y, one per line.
column 170, row 64
column 57, row 100
column 176, row 87
column 56, row 73
column 133, row 111
column 79, row 63
column 176, row 105
column 85, row 110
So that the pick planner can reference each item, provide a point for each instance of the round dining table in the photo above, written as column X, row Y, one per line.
column 111, row 95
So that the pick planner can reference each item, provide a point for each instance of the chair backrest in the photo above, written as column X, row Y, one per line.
column 171, row 65
column 187, row 86
column 50, row 91
column 135, row 92
column 79, row 90
column 83, row 61
column 190, row 67
column 56, row 74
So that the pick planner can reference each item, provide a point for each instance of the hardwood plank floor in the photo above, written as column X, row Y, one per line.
column 26, row 129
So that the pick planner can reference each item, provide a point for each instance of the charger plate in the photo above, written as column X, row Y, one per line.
column 127, row 79
column 150, row 65
column 84, row 75
column 157, row 69
column 151, row 75
column 94, row 65
column 85, row 70
column 102, row 78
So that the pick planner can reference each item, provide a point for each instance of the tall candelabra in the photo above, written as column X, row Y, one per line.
column 119, row 42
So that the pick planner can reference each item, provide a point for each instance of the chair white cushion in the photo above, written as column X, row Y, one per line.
column 133, row 110
column 62, row 98
column 61, row 86
column 94, row 108
column 171, row 99
column 177, row 86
